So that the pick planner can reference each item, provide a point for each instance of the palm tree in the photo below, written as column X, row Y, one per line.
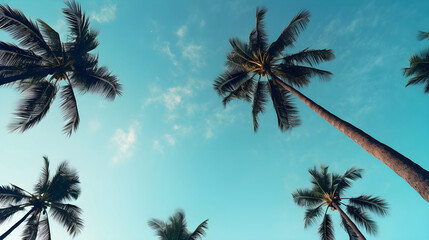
column 176, row 228
column 249, row 63
column 49, row 194
column 327, row 190
column 41, row 61
column 419, row 66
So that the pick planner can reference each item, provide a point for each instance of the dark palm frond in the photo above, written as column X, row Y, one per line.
column 312, row 214
column 64, row 184
column 422, row 35
column 83, row 38
column 353, row 173
column 70, row 110
column 415, row 61
column 244, row 91
column 7, row 213
column 52, row 38
column 309, row 56
column 299, row 75
column 241, row 49
column 259, row 101
column 326, row 229
column 12, row 55
column 22, row 29
column 12, row 194
column 258, row 37
column 306, row 198
column 98, row 80
column 159, row 227
column 43, row 183
column 230, row 81
column 35, row 106
column 199, row 232
column 287, row 113
column 290, row 33
column 44, row 229
column 321, row 179
column 69, row 216
column 362, row 219
column 342, row 182
column 31, row 227
column 349, row 230
column 370, row 203
column 35, row 73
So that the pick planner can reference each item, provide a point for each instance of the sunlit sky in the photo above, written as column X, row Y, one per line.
column 168, row 143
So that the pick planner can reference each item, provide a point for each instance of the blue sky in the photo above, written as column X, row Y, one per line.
column 168, row 142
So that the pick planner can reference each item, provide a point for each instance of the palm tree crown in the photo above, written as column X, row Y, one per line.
column 419, row 66
column 249, row 63
column 42, row 65
column 50, row 193
column 327, row 192
column 176, row 229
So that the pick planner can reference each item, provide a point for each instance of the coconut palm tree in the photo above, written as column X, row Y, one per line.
column 176, row 229
column 249, row 64
column 50, row 194
column 42, row 65
column 327, row 192
column 419, row 66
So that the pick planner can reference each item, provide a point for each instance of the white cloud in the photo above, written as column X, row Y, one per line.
column 165, row 49
column 172, row 98
column 193, row 53
column 157, row 146
column 182, row 31
column 125, row 142
column 170, row 139
column 105, row 14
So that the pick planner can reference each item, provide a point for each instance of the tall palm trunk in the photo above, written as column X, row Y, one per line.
column 413, row 173
column 349, row 222
column 4, row 235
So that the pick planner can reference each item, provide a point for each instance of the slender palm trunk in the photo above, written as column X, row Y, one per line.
column 4, row 235
column 411, row 172
column 349, row 221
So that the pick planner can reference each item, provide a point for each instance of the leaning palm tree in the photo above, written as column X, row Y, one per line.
column 249, row 64
column 49, row 194
column 42, row 65
column 327, row 192
column 176, row 228
column 419, row 66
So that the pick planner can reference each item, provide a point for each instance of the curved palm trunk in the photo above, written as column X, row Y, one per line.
column 4, row 235
column 349, row 221
column 413, row 173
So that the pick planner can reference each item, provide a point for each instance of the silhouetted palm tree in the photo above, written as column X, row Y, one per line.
column 176, row 229
column 328, row 190
column 42, row 65
column 49, row 194
column 419, row 66
column 249, row 63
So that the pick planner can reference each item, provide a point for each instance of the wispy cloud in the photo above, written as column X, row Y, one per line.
column 105, row 14
column 164, row 48
column 171, row 98
column 193, row 53
column 125, row 142
column 182, row 31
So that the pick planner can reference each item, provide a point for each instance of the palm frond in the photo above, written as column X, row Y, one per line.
column 321, row 179
column 44, row 229
column 22, row 29
column 287, row 113
column 290, row 33
column 422, row 35
column 34, row 106
column 12, row 55
column 70, row 111
column 311, row 215
column 230, row 81
column 43, row 183
column 244, row 91
column 326, row 229
column 11, row 194
column 342, row 182
column 69, row 216
column 31, row 228
column 309, row 56
column 64, row 184
column 199, row 232
column 259, row 101
column 159, row 227
column 299, row 75
column 8, row 212
column 370, row 203
column 306, row 198
column 258, row 37
column 52, row 38
column 242, row 49
column 349, row 230
column 362, row 219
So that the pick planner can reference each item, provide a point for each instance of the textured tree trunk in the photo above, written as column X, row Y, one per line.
column 4, row 235
column 349, row 222
column 411, row 172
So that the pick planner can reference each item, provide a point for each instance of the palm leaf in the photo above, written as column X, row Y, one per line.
column 258, row 37
column 326, row 229
column 44, row 229
column 159, row 227
column 69, row 216
column 12, row 55
column 64, row 184
column 287, row 114
column 311, row 215
column 31, row 227
column 43, row 183
column 35, row 106
column 199, row 231
column 370, row 203
column 362, row 219
column 349, row 230
column 244, row 91
column 306, row 198
column 422, row 35
column 70, row 111
column 53, row 40
column 12, row 194
column 310, row 57
column 8, row 212
column 230, row 81
column 259, row 101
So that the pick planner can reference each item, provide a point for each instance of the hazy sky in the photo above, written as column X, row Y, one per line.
column 168, row 142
